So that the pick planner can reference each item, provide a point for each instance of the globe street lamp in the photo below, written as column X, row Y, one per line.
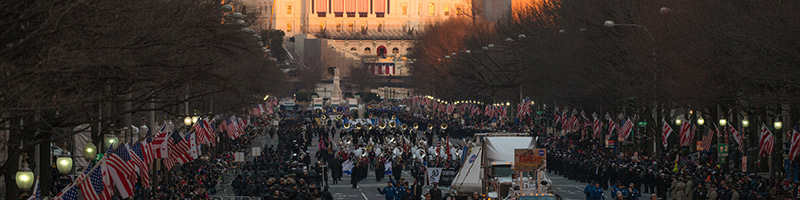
column 194, row 119
column 723, row 122
column 111, row 141
column 778, row 125
column 89, row 150
column 678, row 121
column 24, row 176
column 745, row 123
column 64, row 164
column 187, row 121
column 700, row 121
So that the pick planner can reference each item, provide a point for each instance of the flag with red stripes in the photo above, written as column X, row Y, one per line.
column 626, row 130
column 666, row 130
column 597, row 127
column 178, row 152
column 737, row 137
column 122, row 171
column 158, row 146
column 137, row 152
column 685, row 135
column 766, row 141
column 95, row 182
column 708, row 138
column 556, row 118
column 795, row 148
column 611, row 127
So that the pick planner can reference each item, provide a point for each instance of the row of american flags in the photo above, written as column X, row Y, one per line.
column 469, row 109
column 687, row 132
column 122, row 167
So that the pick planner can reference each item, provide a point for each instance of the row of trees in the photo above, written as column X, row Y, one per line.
column 647, row 58
column 106, row 62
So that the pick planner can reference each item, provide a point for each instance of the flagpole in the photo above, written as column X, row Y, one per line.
column 79, row 179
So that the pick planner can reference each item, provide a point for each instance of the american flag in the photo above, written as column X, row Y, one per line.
column 626, row 129
column 766, row 142
column 597, row 126
column 157, row 146
column 686, row 133
column 37, row 192
column 708, row 138
column 138, row 154
column 146, row 148
column 666, row 130
column 738, row 137
column 178, row 150
column 611, row 127
column 232, row 127
column 566, row 123
column 556, row 117
column 205, row 134
column 795, row 148
column 122, row 171
column 96, row 185
column 70, row 193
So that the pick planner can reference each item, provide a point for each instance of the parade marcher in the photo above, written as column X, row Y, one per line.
column 435, row 193
column 389, row 192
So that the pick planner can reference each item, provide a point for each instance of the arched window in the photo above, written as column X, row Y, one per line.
column 446, row 11
column 408, row 50
column 404, row 8
column 353, row 49
column 289, row 8
column 367, row 50
column 431, row 9
column 395, row 50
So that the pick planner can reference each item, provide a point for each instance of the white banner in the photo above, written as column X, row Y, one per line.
column 433, row 175
column 387, row 168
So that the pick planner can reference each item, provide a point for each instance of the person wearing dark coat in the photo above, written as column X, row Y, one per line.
column 397, row 170
column 416, row 190
column 326, row 195
column 435, row 193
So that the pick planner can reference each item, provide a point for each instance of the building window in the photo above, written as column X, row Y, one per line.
column 404, row 9
column 446, row 11
column 380, row 27
column 431, row 9
column 364, row 27
column 322, row 26
column 408, row 50
column 338, row 27
column 367, row 50
column 395, row 50
column 289, row 9
column 351, row 27
column 353, row 49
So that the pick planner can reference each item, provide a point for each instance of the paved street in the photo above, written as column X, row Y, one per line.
column 569, row 189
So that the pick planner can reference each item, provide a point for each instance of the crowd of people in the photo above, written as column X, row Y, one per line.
column 677, row 176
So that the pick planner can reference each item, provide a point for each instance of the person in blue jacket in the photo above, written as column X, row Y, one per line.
column 588, row 191
column 614, row 190
column 597, row 192
column 388, row 191
column 625, row 192
column 633, row 193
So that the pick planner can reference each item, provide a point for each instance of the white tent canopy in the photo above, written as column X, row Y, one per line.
column 468, row 178
column 501, row 149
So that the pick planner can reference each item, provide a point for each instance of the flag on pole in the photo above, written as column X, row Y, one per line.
column 766, row 141
column 626, row 129
column 158, row 146
column 611, row 127
column 708, row 138
column 137, row 152
column 795, row 148
column 194, row 147
column 179, row 147
column 738, row 137
column 597, row 126
column 122, row 171
column 95, row 182
column 666, row 130
column 686, row 136
column 37, row 192
column 70, row 193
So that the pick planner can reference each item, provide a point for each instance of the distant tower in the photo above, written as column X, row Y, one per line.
column 337, row 89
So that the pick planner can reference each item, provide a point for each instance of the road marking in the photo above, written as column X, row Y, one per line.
column 362, row 194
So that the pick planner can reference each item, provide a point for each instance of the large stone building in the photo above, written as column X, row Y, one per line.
column 375, row 33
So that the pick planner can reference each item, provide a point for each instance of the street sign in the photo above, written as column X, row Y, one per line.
column 700, row 146
column 529, row 159
column 723, row 150
column 610, row 144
